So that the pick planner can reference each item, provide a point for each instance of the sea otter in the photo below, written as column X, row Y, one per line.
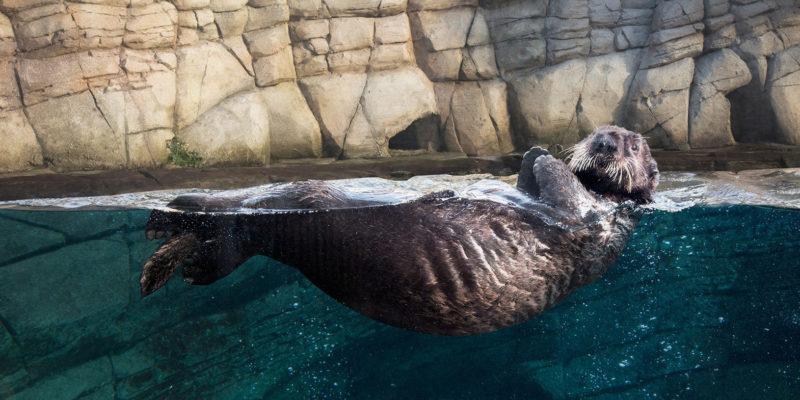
column 443, row 263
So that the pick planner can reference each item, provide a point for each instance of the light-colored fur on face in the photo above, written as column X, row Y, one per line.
column 630, row 168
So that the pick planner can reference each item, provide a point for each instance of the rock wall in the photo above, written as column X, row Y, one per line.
column 107, row 83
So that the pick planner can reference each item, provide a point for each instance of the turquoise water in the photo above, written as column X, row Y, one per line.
column 704, row 303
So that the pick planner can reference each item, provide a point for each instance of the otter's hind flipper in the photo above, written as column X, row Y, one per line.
column 162, row 264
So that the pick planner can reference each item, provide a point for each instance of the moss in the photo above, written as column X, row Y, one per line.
column 181, row 156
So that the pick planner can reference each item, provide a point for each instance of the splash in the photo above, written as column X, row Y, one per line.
column 677, row 191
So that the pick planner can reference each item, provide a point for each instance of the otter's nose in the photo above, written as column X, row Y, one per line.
column 605, row 144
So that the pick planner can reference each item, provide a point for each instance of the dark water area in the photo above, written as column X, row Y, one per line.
column 704, row 303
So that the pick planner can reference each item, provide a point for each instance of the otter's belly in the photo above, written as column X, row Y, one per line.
column 451, row 269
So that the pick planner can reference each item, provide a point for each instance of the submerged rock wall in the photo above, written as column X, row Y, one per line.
column 107, row 83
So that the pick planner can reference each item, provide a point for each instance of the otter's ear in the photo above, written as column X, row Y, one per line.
column 526, row 180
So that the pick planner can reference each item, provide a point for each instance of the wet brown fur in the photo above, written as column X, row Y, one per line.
column 439, row 264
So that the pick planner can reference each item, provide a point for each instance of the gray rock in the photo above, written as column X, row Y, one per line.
column 716, row 75
column 471, row 120
column 608, row 78
column 675, row 13
column 544, row 102
column 784, row 93
column 673, row 50
column 658, row 104
column 518, row 54
column 630, row 37
column 602, row 41
column 605, row 13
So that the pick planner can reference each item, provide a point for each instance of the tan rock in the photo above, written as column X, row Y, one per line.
column 351, row 33
column 318, row 46
column 50, row 77
column 226, row 5
column 138, row 110
column 149, row 149
column 392, row 100
column 307, row 8
column 349, row 61
column 416, row 5
column 305, row 29
column 479, row 32
column 334, row 99
column 234, row 132
column 275, row 68
column 191, row 4
column 21, row 151
column 236, row 46
column 294, row 133
column 39, row 33
column 308, row 64
column 96, row 16
column 187, row 19
column 268, row 41
column 74, row 134
column 392, row 7
column 266, row 17
column 479, row 63
column 442, row 30
column 231, row 23
column 9, row 94
column 347, row 8
column 206, row 74
column 394, row 29
column 389, row 56
column 151, row 26
column 439, row 65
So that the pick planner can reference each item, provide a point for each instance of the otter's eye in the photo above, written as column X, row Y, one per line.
column 635, row 147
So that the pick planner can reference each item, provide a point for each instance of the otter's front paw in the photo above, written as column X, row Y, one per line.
column 535, row 152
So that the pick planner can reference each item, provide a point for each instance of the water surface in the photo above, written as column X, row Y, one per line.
column 703, row 303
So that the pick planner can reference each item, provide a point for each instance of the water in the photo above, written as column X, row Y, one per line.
column 704, row 303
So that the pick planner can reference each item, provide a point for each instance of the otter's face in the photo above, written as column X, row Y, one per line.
column 615, row 163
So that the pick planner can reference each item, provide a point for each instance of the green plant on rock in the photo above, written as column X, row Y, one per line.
column 181, row 156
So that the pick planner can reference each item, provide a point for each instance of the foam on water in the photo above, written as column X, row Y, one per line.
column 677, row 191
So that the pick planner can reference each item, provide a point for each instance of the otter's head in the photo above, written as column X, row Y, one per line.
column 615, row 163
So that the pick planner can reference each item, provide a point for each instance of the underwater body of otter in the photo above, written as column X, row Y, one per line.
column 703, row 303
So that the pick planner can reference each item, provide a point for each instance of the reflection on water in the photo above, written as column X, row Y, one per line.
column 704, row 303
